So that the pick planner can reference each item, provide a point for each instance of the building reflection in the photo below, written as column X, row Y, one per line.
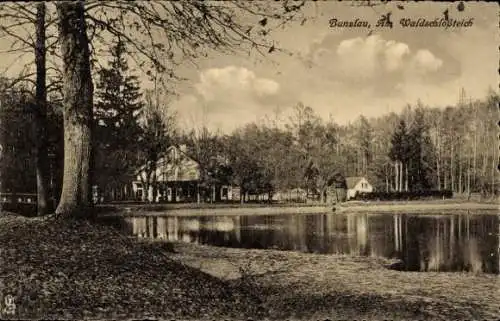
column 424, row 243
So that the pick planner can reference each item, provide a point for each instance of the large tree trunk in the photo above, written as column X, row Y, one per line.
column 42, row 161
column 78, row 92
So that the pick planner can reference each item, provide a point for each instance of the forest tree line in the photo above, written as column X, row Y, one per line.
column 68, row 40
column 421, row 148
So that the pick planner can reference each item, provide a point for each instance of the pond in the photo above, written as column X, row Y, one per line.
column 448, row 242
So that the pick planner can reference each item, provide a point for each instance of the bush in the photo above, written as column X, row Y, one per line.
column 403, row 196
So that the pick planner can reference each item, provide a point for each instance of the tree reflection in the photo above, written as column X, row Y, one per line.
column 423, row 242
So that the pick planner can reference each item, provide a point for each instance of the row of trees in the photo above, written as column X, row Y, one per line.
column 419, row 149
column 19, row 139
column 187, row 30
column 129, row 126
column 161, row 34
column 455, row 148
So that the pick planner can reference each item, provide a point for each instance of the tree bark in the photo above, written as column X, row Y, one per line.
column 386, row 184
column 77, row 109
column 401, row 176
column 474, row 163
column 445, row 179
column 438, row 159
column 452, row 170
column 396, row 174
column 468, row 174
column 494, row 164
column 42, row 161
column 406, row 181
column 460, row 189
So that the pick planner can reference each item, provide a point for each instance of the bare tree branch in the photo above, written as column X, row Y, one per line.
column 166, row 34
column 27, row 78
column 16, row 36
column 22, row 8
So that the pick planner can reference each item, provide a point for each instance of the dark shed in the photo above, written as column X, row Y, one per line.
column 337, row 189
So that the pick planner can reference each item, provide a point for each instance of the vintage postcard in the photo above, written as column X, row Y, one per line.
column 249, row 160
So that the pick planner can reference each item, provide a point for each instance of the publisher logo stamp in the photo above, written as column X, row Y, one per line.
column 8, row 306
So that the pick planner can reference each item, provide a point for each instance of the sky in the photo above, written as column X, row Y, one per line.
column 343, row 73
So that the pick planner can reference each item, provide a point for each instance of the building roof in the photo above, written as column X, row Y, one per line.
column 352, row 181
column 162, row 160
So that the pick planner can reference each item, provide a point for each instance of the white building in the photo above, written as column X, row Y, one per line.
column 177, row 177
column 356, row 185
column 178, row 180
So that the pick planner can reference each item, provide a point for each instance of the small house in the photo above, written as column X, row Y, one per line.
column 179, row 179
column 356, row 185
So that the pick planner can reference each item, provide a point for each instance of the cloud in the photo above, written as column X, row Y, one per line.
column 373, row 64
column 424, row 61
column 344, row 74
column 265, row 87
column 227, row 97
column 395, row 52
column 357, row 57
column 367, row 57
column 370, row 55
column 219, row 84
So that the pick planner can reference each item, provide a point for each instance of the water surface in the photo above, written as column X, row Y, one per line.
column 449, row 242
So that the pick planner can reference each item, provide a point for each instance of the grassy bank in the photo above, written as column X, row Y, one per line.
column 81, row 270
column 223, row 210
column 193, row 209
column 418, row 206
column 338, row 286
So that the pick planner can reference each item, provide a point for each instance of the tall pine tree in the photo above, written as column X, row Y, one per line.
column 399, row 154
column 118, row 131
column 420, row 151
column 364, row 138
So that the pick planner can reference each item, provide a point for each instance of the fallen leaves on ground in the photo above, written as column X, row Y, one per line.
column 75, row 269
column 315, row 286
column 82, row 270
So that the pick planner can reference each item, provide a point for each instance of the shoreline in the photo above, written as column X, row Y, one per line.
column 76, row 269
column 418, row 207
column 291, row 277
column 410, row 207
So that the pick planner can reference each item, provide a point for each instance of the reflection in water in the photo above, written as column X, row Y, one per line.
column 424, row 243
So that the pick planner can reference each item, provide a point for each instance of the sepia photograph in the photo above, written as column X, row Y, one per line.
column 249, row 160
